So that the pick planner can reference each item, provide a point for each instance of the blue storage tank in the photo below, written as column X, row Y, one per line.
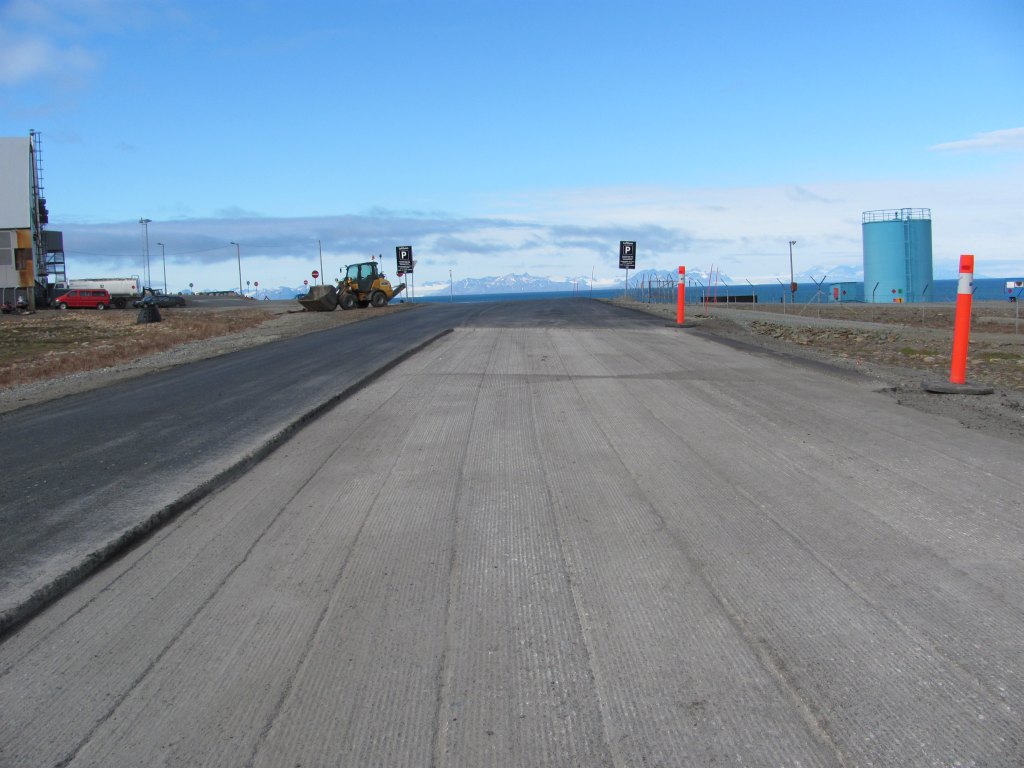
column 897, row 255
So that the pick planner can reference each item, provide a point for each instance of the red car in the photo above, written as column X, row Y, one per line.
column 83, row 298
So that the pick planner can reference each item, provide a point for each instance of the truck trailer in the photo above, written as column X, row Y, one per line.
column 123, row 290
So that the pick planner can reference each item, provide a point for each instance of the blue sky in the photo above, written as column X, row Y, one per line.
column 500, row 137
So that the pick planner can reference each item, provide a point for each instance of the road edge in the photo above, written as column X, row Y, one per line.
column 60, row 585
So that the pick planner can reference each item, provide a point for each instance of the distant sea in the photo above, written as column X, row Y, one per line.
column 522, row 296
column 986, row 289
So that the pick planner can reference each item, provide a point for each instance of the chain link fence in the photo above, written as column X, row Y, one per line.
column 664, row 291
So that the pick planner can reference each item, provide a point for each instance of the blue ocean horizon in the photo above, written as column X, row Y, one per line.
column 985, row 289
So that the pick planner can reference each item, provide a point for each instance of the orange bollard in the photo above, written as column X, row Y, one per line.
column 962, row 325
column 681, row 297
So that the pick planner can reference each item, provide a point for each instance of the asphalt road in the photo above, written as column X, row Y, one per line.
column 560, row 537
column 86, row 474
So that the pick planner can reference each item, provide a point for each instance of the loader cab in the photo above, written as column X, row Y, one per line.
column 362, row 275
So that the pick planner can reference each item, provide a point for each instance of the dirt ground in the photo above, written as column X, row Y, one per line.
column 901, row 346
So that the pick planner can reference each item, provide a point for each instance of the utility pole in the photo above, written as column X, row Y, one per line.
column 163, row 258
column 238, row 254
column 145, row 250
column 792, row 280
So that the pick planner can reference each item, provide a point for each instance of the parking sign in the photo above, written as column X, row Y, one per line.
column 627, row 254
column 403, row 253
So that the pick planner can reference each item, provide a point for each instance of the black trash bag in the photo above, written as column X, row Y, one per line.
column 148, row 313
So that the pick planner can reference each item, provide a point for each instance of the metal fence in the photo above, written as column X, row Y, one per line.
column 662, row 291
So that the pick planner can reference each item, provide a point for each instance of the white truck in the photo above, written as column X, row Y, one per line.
column 123, row 290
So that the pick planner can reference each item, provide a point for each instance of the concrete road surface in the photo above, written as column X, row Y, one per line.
column 561, row 547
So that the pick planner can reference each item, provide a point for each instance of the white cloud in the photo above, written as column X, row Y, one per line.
column 57, row 39
column 25, row 60
column 1009, row 139
column 747, row 229
column 744, row 231
column 25, row 57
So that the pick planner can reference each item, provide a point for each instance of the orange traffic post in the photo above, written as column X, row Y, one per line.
column 961, row 337
column 962, row 325
column 681, row 297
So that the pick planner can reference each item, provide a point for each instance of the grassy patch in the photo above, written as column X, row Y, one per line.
column 992, row 356
column 46, row 344
column 911, row 352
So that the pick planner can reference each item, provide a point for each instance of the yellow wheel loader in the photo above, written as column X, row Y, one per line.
column 363, row 286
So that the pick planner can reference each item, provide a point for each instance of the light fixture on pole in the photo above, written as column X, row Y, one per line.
column 792, row 279
column 145, row 250
column 163, row 258
column 238, row 254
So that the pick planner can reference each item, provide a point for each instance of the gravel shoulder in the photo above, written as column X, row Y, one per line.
column 900, row 348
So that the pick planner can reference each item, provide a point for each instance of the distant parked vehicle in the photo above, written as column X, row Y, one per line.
column 162, row 300
column 121, row 289
column 83, row 298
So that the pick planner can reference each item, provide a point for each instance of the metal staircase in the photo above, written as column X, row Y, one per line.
column 51, row 268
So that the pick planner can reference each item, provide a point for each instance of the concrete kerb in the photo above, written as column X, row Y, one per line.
column 93, row 561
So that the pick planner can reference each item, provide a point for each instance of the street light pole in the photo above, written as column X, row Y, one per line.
column 238, row 254
column 145, row 252
column 321, row 250
column 451, row 288
column 163, row 258
column 792, row 280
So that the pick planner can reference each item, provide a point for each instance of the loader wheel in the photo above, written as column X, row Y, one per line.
column 347, row 301
column 378, row 299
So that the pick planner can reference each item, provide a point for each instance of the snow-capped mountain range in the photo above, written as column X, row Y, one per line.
column 511, row 283
column 527, row 283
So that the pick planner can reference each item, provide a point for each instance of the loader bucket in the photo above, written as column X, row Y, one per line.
column 321, row 298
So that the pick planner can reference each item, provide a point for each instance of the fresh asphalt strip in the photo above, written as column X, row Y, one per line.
column 93, row 561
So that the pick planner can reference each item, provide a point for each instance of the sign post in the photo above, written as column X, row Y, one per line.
column 1018, row 286
column 406, row 264
column 627, row 258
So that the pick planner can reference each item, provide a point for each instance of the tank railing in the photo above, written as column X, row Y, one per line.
column 897, row 214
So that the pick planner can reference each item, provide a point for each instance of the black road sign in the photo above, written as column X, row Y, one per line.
column 404, row 255
column 627, row 254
